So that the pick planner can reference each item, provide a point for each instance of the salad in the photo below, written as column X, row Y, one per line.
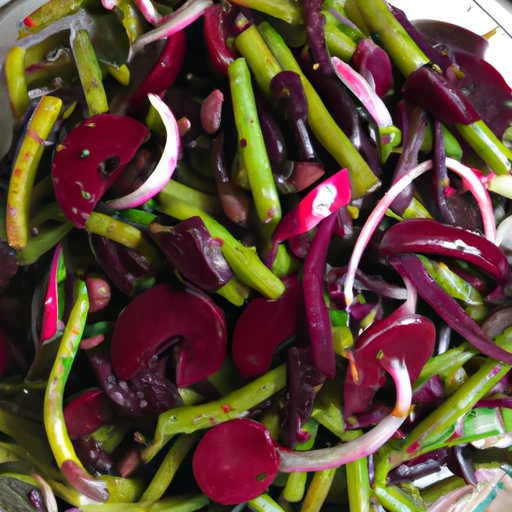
column 254, row 255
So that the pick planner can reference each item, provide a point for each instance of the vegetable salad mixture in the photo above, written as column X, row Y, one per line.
column 254, row 255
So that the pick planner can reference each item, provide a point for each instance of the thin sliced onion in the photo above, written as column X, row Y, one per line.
column 474, row 185
column 148, row 10
column 189, row 12
column 108, row 4
column 369, row 443
column 166, row 166
column 362, row 89
column 51, row 306
column 47, row 493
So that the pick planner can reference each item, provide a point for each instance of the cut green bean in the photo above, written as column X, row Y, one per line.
column 358, row 481
column 286, row 10
column 395, row 500
column 257, row 164
column 338, row 43
column 295, row 487
column 90, row 72
column 264, row 503
column 323, row 125
column 244, row 261
column 186, row 420
column 169, row 466
column 25, row 169
column 318, row 490
column 174, row 504
column 16, row 81
column 177, row 191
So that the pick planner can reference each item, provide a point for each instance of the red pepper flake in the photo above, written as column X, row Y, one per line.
column 17, row 172
column 226, row 408
column 29, row 22
column 414, row 447
column 60, row 147
column 243, row 143
column 76, row 332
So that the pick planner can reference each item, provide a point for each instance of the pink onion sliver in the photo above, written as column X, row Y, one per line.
column 189, row 12
column 444, row 503
column 364, row 92
column 369, row 443
column 108, row 4
column 148, row 10
column 373, row 222
column 51, row 301
column 165, row 167
column 480, row 193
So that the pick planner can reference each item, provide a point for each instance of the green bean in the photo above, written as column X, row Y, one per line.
column 16, row 81
column 338, row 43
column 295, row 487
column 257, row 164
column 358, row 482
column 89, row 72
column 25, row 169
column 318, row 490
column 264, row 503
column 286, row 10
column 169, row 466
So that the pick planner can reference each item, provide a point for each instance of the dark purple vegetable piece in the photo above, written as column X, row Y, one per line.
column 372, row 416
column 487, row 90
column 165, row 71
column 235, row 202
column 419, row 467
column 5, row 357
column 303, row 382
column 374, row 65
column 452, row 36
column 222, row 54
column 315, row 21
column 36, row 500
column 410, row 266
column 235, row 461
column 87, row 413
column 90, row 159
column 8, row 264
column 317, row 313
column 397, row 336
column 497, row 322
column 190, row 248
column 431, row 237
column 161, row 317
column 211, row 111
column 293, row 177
column 92, row 455
column 129, row 399
column 430, row 393
column 414, row 128
column 272, row 135
column 300, row 245
column 461, row 465
column 443, row 100
column 119, row 264
column 264, row 325
column 288, row 93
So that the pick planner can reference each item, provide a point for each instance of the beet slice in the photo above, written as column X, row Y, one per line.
column 162, row 316
column 264, row 325
column 409, row 338
column 90, row 159
column 235, row 461
column 87, row 412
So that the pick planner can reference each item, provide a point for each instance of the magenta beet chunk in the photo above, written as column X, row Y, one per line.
column 235, row 461
column 164, row 315
column 428, row 236
column 264, row 325
column 190, row 248
column 87, row 413
column 90, row 159
column 410, row 338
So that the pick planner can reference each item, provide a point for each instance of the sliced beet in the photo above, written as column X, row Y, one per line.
column 409, row 338
column 235, row 461
column 87, row 412
column 264, row 325
column 162, row 316
column 452, row 37
column 190, row 248
column 428, row 236
column 90, row 159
